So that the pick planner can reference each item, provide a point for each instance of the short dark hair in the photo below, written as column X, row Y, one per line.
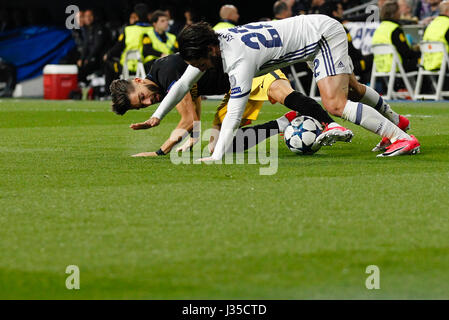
column 156, row 14
column 279, row 7
column 141, row 9
column 194, row 40
column 120, row 90
column 388, row 10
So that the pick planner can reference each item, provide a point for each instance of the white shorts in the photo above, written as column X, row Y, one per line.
column 332, row 56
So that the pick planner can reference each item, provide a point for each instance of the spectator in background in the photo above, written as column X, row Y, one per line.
column 380, row 3
column 229, row 16
column 130, row 39
column 77, row 33
column 94, row 43
column 133, row 18
column 390, row 32
column 281, row 10
column 431, row 12
column 175, row 24
column 406, row 11
column 157, row 41
column 438, row 30
column 190, row 16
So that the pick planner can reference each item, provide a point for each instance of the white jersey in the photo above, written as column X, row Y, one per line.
column 257, row 48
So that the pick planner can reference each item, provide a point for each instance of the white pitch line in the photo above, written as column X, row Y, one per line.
column 418, row 116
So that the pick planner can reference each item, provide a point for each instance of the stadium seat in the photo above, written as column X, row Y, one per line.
column 133, row 55
column 407, row 77
column 313, row 89
column 433, row 47
column 295, row 76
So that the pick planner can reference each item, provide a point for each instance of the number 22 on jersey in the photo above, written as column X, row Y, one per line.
column 250, row 38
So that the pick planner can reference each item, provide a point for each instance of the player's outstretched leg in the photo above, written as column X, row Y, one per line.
column 334, row 93
column 261, row 132
column 282, row 92
column 369, row 96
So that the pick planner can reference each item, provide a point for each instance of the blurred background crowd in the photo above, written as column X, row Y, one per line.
column 109, row 30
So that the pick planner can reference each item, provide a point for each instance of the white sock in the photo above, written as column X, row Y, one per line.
column 373, row 99
column 373, row 121
column 282, row 123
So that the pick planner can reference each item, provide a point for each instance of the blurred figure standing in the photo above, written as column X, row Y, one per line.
column 94, row 42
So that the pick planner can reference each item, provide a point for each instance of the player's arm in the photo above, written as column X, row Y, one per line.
column 117, row 49
column 187, row 110
column 236, row 106
column 400, row 42
column 174, row 96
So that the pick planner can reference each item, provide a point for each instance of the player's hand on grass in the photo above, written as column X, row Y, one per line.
column 187, row 145
column 152, row 122
column 145, row 154
column 208, row 159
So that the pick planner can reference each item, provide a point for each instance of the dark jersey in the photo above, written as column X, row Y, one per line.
column 166, row 71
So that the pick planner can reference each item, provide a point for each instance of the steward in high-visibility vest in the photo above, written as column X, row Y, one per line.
column 157, row 42
column 133, row 40
column 223, row 25
column 438, row 30
column 390, row 32
column 130, row 39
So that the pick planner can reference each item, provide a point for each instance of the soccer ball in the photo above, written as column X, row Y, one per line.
column 301, row 133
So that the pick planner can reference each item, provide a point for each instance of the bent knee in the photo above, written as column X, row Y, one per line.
column 335, row 107
column 279, row 90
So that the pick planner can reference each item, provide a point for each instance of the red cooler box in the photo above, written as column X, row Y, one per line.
column 59, row 80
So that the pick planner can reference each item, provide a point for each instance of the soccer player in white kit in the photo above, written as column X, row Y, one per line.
column 257, row 48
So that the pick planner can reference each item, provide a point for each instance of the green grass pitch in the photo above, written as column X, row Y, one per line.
column 70, row 194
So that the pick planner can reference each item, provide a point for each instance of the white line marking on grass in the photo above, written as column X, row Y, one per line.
column 418, row 116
